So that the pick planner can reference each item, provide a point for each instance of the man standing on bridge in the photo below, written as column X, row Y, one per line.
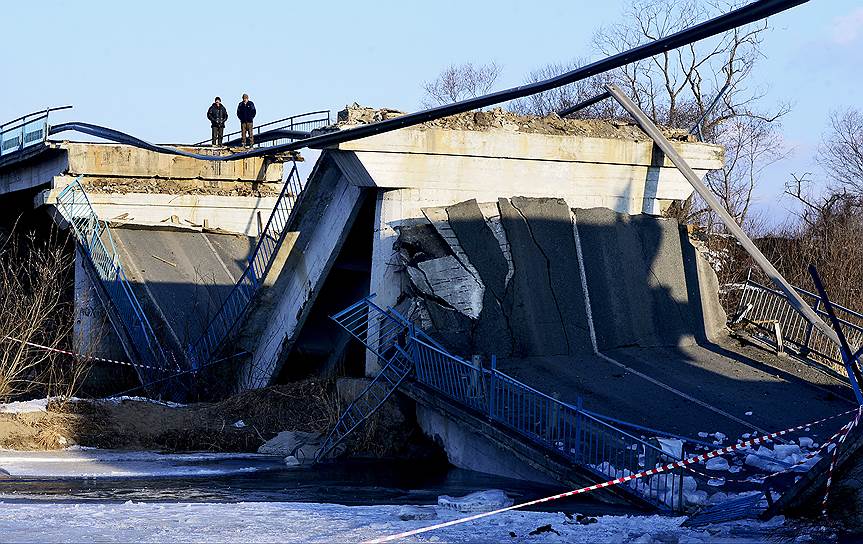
column 246, row 113
column 218, row 116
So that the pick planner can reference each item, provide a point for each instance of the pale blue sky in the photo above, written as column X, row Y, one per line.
column 152, row 68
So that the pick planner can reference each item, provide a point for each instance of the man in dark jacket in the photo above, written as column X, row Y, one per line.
column 246, row 113
column 218, row 116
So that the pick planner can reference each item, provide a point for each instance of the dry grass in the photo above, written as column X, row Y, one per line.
column 35, row 306
column 310, row 405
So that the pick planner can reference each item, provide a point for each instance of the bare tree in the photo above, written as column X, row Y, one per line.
column 826, row 231
column 556, row 100
column 35, row 276
column 678, row 87
column 841, row 150
column 459, row 82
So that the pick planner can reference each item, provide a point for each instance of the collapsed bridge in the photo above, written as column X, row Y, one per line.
column 531, row 248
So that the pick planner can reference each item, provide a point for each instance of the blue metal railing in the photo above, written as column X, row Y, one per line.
column 378, row 329
column 224, row 322
column 578, row 436
column 582, row 437
column 369, row 400
column 95, row 239
column 25, row 131
column 304, row 121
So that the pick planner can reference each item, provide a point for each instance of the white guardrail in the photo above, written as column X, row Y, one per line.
column 25, row 131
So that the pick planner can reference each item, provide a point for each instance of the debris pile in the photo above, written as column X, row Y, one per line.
column 179, row 187
column 500, row 119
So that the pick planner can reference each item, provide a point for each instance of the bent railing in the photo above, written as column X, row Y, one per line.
column 25, row 131
column 762, row 306
column 303, row 122
column 94, row 237
column 583, row 439
column 235, row 305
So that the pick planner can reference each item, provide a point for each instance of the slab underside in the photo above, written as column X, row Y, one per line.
column 181, row 278
column 692, row 389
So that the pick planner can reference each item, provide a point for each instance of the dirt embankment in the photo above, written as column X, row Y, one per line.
column 239, row 424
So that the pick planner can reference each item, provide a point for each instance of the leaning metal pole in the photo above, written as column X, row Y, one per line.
column 662, row 142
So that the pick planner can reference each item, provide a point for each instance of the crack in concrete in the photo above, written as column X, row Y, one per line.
column 548, row 272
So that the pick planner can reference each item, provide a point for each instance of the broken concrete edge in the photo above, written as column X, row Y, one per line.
column 500, row 119
column 221, row 151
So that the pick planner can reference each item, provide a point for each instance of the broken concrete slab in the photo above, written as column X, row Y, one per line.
column 550, row 223
column 480, row 244
column 449, row 281
column 617, row 277
column 529, row 302
column 288, row 443
column 661, row 244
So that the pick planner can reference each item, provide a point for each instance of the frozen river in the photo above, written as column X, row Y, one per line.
column 103, row 496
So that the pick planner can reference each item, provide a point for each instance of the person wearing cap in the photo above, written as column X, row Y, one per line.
column 246, row 114
column 218, row 116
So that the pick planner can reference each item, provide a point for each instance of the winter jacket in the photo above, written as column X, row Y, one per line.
column 217, row 114
column 246, row 112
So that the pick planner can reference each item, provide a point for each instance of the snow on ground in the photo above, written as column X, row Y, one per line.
column 41, row 405
column 78, row 462
column 311, row 522
column 24, row 406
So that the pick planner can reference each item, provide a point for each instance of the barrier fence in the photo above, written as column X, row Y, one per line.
column 25, row 131
column 763, row 307
column 237, row 302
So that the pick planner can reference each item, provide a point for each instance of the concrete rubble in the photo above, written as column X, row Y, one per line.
column 298, row 447
column 498, row 119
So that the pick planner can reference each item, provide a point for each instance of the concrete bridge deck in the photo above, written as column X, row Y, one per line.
column 692, row 389
column 182, row 276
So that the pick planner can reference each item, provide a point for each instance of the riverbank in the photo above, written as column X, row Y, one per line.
column 238, row 424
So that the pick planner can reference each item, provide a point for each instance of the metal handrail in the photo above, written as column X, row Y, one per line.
column 235, row 305
column 286, row 123
column 577, row 435
column 760, row 305
column 75, row 206
column 44, row 112
column 31, row 129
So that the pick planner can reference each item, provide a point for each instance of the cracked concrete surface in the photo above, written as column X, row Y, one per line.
column 655, row 309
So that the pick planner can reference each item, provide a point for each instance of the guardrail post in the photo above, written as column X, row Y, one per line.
column 578, row 418
column 804, row 350
column 491, row 385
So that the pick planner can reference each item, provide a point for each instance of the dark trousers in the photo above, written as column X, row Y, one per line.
column 246, row 128
column 218, row 132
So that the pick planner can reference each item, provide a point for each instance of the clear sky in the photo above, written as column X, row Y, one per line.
column 152, row 68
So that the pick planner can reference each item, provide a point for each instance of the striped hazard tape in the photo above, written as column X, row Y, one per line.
column 757, row 479
column 79, row 355
column 850, row 426
column 664, row 468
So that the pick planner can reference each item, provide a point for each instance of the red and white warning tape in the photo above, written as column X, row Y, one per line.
column 664, row 468
column 79, row 355
column 845, row 429
column 850, row 426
